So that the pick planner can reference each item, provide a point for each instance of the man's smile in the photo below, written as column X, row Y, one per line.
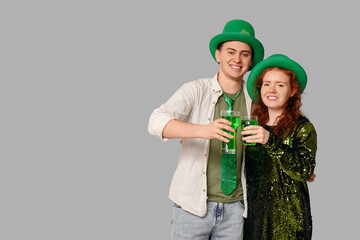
column 236, row 67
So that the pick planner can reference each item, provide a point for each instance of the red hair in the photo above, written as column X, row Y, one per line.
column 291, row 112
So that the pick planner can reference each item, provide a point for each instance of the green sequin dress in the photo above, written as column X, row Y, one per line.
column 276, row 174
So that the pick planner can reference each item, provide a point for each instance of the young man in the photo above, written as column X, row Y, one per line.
column 203, row 209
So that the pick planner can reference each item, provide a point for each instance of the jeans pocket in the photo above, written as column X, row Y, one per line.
column 176, row 205
column 241, row 203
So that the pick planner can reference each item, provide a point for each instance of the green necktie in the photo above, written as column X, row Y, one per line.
column 228, row 161
column 230, row 101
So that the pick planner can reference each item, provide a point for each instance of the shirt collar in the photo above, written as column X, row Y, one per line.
column 215, row 86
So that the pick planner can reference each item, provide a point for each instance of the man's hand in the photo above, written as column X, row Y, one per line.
column 312, row 178
column 215, row 130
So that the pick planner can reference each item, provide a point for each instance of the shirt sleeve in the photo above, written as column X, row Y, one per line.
column 295, row 155
column 178, row 107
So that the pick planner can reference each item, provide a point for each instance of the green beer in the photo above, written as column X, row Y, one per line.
column 247, row 121
column 234, row 118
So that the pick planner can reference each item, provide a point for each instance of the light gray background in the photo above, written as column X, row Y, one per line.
column 79, row 80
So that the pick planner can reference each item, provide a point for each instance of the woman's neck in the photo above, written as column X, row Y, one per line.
column 274, row 116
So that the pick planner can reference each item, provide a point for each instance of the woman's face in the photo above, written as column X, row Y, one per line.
column 275, row 90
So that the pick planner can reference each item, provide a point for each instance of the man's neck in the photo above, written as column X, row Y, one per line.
column 229, row 85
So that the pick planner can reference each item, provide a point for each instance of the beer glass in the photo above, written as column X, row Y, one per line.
column 247, row 121
column 234, row 118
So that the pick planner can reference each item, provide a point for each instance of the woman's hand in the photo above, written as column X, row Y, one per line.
column 261, row 135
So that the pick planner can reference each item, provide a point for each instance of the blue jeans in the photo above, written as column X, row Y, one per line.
column 222, row 221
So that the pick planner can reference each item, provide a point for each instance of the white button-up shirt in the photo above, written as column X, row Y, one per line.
column 194, row 103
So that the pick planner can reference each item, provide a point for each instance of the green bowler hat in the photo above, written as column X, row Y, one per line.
column 242, row 31
column 276, row 60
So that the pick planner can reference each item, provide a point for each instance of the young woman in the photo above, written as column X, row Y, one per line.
column 278, row 166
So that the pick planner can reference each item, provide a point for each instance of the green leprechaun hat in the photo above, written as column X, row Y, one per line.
column 239, row 30
column 276, row 60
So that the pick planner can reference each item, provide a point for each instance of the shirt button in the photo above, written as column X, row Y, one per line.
column 214, row 102
column 204, row 190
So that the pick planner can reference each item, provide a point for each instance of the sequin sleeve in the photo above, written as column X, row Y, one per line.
column 296, row 152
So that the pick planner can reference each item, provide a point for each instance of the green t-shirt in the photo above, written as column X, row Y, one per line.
column 214, row 191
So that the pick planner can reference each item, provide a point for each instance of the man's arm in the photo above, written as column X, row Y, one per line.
column 178, row 129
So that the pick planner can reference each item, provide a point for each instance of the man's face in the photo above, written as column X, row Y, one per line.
column 235, row 59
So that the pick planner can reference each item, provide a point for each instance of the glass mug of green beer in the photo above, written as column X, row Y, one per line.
column 247, row 121
column 234, row 118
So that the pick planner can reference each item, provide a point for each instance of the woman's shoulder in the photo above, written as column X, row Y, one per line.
column 304, row 125
column 304, row 121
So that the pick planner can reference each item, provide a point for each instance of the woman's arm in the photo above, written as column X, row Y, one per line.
column 296, row 154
